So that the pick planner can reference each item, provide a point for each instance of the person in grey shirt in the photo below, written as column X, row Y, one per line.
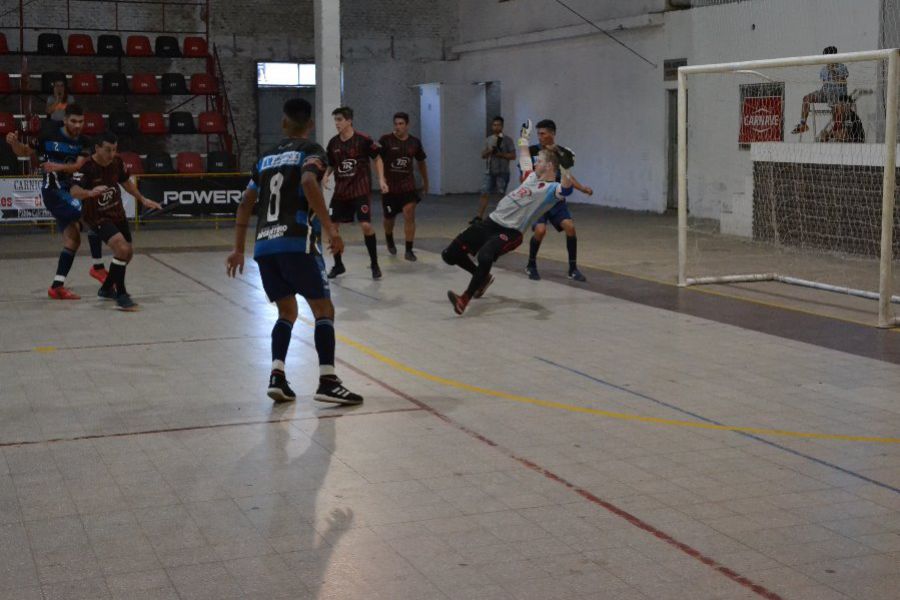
column 498, row 150
column 59, row 100
column 834, row 85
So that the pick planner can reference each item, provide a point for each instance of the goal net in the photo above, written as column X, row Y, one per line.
column 787, row 175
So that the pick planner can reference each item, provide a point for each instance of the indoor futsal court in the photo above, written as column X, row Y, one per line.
column 449, row 300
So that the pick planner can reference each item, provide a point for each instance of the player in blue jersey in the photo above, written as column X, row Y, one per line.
column 502, row 231
column 558, row 215
column 61, row 153
column 291, row 215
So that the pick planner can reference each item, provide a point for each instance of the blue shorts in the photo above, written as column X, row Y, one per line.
column 62, row 206
column 555, row 216
column 288, row 274
column 495, row 183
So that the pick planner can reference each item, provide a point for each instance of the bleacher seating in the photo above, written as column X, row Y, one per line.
column 115, row 83
column 152, row 123
column 138, row 45
column 173, row 84
column 189, row 162
column 9, row 162
column 181, row 122
column 83, row 84
column 94, row 123
column 5, row 84
column 219, row 161
column 7, row 123
column 4, row 48
column 203, row 84
column 167, row 47
column 132, row 162
column 195, row 47
column 121, row 122
column 144, row 83
column 211, row 122
column 109, row 45
column 50, row 44
column 80, row 45
column 158, row 163
column 47, row 80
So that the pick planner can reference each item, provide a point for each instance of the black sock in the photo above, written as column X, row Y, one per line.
column 572, row 247
column 96, row 249
column 281, row 339
column 372, row 248
column 409, row 246
column 324, row 339
column 338, row 261
column 63, row 266
column 390, row 238
column 533, row 248
column 116, row 278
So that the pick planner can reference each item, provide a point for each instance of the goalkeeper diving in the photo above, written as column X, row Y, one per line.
column 502, row 231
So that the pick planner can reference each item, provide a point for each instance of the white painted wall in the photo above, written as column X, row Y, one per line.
column 432, row 133
column 610, row 107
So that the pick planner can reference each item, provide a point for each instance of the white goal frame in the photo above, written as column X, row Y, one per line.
column 886, row 316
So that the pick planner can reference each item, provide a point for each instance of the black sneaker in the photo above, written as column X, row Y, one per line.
column 480, row 291
column 107, row 293
column 279, row 390
column 575, row 274
column 332, row 390
column 376, row 272
column 410, row 256
column 336, row 270
column 125, row 303
column 533, row 273
column 392, row 247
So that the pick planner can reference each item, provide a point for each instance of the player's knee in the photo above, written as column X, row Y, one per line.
column 128, row 252
column 569, row 228
column 321, row 309
column 485, row 256
column 366, row 228
column 451, row 254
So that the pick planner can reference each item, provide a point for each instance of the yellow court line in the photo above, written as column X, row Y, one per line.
column 599, row 412
column 765, row 303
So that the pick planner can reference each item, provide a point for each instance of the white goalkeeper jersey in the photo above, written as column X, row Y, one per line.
column 521, row 207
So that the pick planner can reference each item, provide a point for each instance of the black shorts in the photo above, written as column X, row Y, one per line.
column 107, row 229
column 288, row 274
column 344, row 211
column 490, row 238
column 393, row 204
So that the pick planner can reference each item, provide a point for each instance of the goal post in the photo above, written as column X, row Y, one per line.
column 788, row 176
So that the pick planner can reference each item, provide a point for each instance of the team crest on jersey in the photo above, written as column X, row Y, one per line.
column 400, row 163
column 504, row 237
column 347, row 166
column 364, row 209
column 541, row 185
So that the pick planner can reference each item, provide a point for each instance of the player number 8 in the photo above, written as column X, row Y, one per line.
column 274, row 197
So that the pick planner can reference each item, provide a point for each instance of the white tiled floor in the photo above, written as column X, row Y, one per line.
column 141, row 458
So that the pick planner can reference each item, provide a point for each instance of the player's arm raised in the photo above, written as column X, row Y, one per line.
column 526, row 166
column 313, row 192
column 18, row 148
column 235, row 261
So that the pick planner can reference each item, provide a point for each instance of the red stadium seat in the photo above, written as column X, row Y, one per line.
column 34, row 125
column 138, row 45
column 189, row 162
column 211, row 122
column 5, row 84
column 7, row 123
column 203, row 84
column 144, row 83
column 152, row 123
column 195, row 47
column 4, row 48
column 94, row 123
column 80, row 45
column 132, row 162
column 84, row 83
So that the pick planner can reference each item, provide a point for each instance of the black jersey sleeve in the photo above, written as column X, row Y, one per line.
column 315, row 161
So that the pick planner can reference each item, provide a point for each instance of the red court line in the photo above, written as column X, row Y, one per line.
column 587, row 495
column 101, row 436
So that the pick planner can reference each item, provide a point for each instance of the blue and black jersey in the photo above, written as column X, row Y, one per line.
column 57, row 147
column 284, row 223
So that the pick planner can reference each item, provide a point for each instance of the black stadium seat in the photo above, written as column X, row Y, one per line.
column 47, row 80
column 181, row 122
column 115, row 83
column 122, row 122
column 219, row 161
column 50, row 44
column 173, row 83
column 167, row 46
column 109, row 45
column 158, row 163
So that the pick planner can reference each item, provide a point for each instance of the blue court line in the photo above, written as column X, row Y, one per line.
column 824, row 463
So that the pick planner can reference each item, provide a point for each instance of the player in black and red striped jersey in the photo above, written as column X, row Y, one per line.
column 349, row 155
column 400, row 194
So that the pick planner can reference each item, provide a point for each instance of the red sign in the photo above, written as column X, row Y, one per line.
column 762, row 119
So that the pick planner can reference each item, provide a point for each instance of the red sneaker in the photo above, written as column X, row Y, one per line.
column 99, row 274
column 62, row 293
column 459, row 302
